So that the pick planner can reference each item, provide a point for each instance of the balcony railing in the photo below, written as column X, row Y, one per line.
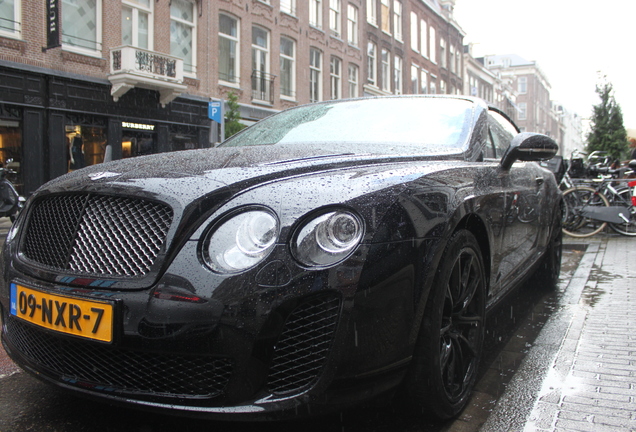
column 135, row 67
column 263, row 86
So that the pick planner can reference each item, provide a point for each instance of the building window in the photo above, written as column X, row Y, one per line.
column 228, row 49
column 442, row 52
column 372, row 12
column 288, row 6
column 372, row 64
column 385, row 16
column 315, row 13
column 136, row 23
column 452, row 60
column 433, row 86
column 415, row 79
column 423, row 37
column 523, row 111
column 432, row 47
column 10, row 18
column 335, row 17
column 442, row 87
column 335, row 70
column 385, row 71
column 183, row 33
column 352, row 25
column 287, row 67
column 397, row 75
column 414, row 34
column 353, row 81
column 82, row 26
column 315, row 68
column 423, row 82
column 260, row 64
column 522, row 85
column 11, row 143
column 397, row 20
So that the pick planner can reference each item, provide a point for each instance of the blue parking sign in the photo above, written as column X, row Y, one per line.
column 215, row 111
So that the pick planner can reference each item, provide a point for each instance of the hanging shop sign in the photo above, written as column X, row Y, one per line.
column 53, row 24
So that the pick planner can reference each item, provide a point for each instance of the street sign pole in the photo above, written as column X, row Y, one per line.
column 216, row 114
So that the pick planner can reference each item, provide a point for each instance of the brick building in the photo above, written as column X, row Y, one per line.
column 83, row 81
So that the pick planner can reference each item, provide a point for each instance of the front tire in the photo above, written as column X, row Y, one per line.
column 449, row 345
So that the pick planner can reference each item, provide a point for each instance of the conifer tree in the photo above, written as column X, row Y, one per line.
column 607, row 132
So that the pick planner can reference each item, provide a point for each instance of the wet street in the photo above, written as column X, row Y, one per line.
column 513, row 375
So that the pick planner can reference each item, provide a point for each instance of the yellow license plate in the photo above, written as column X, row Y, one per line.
column 85, row 318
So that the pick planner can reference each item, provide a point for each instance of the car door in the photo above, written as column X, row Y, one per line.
column 520, row 195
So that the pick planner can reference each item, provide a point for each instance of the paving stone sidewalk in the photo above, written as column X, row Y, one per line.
column 589, row 381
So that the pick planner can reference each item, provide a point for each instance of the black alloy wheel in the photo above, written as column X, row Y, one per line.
column 450, row 343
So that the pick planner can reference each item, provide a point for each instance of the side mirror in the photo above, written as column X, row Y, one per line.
column 528, row 147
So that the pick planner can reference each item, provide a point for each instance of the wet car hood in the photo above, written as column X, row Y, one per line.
column 181, row 178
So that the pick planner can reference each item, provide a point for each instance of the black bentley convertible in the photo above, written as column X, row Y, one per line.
column 329, row 254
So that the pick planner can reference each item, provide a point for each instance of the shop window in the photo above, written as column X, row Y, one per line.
column 86, row 146
column 11, row 151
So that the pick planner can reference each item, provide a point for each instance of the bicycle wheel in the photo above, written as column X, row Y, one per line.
column 575, row 200
column 624, row 198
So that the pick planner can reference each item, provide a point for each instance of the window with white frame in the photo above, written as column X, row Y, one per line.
column 424, row 38
column 415, row 36
column 335, row 77
column 385, row 16
column 10, row 18
column 432, row 45
column 288, row 6
column 136, row 23
column 352, row 25
column 372, row 64
column 82, row 26
column 372, row 12
column 397, row 75
column 451, row 59
column 522, row 85
column 523, row 111
column 315, row 75
column 335, row 17
column 442, row 87
column 442, row 52
column 423, row 82
column 415, row 79
column 260, row 64
column 315, row 13
column 433, row 86
column 183, row 33
column 287, row 67
column 353, row 81
column 385, row 70
column 397, row 20
column 229, row 44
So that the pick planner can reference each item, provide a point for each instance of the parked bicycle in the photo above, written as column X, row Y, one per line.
column 591, row 205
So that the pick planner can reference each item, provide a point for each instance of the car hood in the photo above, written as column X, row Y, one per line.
column 183, row 177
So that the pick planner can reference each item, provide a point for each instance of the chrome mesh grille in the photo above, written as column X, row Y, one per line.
column 110, row 369
column 96, row 234
column 304, row 344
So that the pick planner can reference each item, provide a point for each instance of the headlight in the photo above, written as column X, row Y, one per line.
column 327, row 239
column 241, row 242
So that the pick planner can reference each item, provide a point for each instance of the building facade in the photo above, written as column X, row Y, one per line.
column 86, row 81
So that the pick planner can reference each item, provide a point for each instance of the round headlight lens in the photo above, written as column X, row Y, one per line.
column 242, row 241
column 328, row 239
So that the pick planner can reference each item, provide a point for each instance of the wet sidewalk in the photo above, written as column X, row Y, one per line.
column 580, row 374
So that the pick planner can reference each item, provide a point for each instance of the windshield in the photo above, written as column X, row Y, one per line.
column 422, row 125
